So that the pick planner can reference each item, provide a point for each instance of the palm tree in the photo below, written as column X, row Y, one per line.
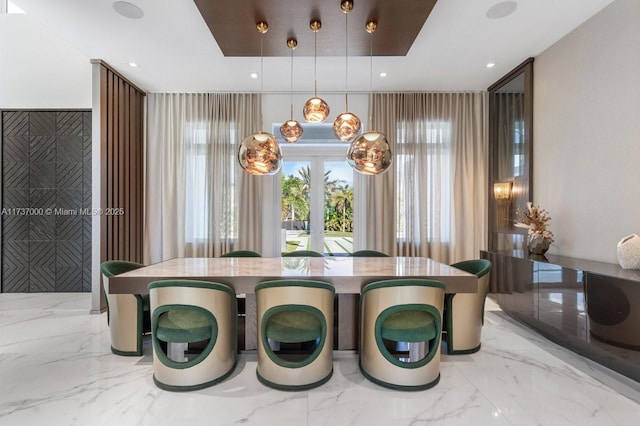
column 341, row 199
column 305, row 176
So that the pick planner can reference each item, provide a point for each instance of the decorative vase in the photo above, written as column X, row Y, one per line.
column 538, row 245
column 629, row 252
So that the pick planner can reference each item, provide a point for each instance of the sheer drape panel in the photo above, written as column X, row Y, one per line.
column 195, row 189
column 432, row 201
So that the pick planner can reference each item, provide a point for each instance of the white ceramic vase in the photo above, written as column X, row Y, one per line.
column 629, row 252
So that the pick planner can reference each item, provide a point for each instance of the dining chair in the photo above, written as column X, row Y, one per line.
column 193, row 331
column 302, row 253
column 295, row 339
column 127, row 314
column 464, row 312
column 242, row 253
column 368, row 253
column 400, row 332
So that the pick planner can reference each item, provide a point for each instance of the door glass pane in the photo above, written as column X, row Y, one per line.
column 295, row 212
column 338, row 208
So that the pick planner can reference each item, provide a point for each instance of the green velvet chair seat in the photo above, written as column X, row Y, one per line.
column 293, row 326
column 409, row 326
column 183, row 326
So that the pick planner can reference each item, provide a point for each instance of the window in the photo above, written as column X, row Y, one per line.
column 423, row 182
column 202, row 182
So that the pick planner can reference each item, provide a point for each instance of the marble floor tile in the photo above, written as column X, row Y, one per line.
column 56, row 368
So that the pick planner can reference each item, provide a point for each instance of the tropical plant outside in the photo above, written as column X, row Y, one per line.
column 338, row 201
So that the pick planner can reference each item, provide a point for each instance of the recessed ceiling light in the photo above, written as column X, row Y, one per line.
column 383, row 74
column 133, row 64
column 128, row 10
column 491, row 64
column 502, row 9
column 254, row 75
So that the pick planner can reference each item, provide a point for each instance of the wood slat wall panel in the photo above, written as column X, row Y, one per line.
column 121, row 167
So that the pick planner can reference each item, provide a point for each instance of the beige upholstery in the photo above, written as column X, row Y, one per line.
column 381, row 297
column 464, row 312
column 128, row 317
column 216, row 362
column 289, row 294
column 123, row 317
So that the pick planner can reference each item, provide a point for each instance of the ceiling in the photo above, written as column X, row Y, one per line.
column 234, row 28
column 176, row 52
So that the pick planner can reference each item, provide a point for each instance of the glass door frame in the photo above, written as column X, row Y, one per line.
column 316, row 155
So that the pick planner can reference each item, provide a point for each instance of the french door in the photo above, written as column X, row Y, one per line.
column 317, row 203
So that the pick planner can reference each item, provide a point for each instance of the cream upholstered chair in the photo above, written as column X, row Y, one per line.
column 401, row 325
column 464, row 312
column 297, row 314
column 186, row 312
column 127, row 314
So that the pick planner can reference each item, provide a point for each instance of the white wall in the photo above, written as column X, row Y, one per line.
column 587, row 133
column 38, row 69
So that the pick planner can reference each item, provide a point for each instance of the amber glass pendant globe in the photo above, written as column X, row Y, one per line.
column 370, row 154
column 291, row 130
column 260, row 154
column 346, row 126
column 315, row 110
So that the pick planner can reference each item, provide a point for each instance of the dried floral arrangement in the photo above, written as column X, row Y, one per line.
column 536, row 220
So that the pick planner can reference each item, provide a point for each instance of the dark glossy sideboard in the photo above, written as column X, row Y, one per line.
column 592, row 308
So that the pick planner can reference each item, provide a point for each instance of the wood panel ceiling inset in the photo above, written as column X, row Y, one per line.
column 233, row 26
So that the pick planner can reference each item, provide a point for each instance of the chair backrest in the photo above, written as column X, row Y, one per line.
column 116, row 267
column 481, row 269
column 368, row 253
column 202, row 310
column 409, row 299
column 302, row 253
column 295, row 283
column 111, row 268
column 242, row 253
column 309, row 305
column 478, row 267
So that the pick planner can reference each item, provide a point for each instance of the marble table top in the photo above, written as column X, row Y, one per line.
column 347, row 274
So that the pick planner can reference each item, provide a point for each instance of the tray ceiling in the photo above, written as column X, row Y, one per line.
column 233, row 25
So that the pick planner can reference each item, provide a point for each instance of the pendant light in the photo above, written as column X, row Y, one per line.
column 315, row 109
column 291, row 130
column 370, row 154
column 259, row 153
column 346, row 125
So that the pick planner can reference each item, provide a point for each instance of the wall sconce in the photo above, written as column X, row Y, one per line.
column 502, row 190
column 502, row 194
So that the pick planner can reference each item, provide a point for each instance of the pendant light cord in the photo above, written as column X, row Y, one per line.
column 315, row 63
column 370, row 77
column 261, row 78
column 291, row 86
column 346, row 62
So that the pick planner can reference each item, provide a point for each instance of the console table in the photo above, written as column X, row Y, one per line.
column 592, row 308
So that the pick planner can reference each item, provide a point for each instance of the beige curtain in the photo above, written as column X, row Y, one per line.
column 198, row 201
column 432, row 201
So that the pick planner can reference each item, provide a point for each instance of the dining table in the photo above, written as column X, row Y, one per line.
column 347, row 274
